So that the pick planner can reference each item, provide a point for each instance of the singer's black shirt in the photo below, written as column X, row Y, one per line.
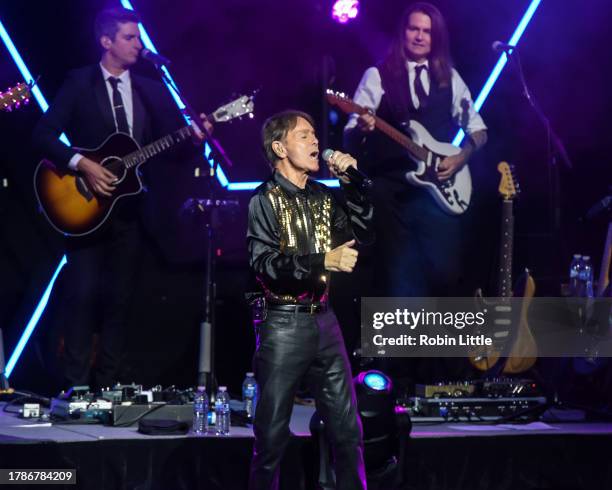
column 290, row 230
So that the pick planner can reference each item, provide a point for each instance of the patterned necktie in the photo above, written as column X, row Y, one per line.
column 419, row 90
column 122, row 124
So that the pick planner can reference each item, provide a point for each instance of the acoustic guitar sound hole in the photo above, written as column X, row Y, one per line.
column 116, row 166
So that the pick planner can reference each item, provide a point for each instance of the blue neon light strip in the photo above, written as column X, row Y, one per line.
column 25, row 73
column 501, row 63
column 25, row 336
column 40, row 99
column 249, row 186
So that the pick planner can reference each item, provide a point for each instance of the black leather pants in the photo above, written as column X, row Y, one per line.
column 292, row 347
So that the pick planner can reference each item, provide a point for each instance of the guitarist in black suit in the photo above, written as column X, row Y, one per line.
column 419, row 245
column 93, row 103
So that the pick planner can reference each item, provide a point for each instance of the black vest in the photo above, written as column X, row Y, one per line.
column 385, row 157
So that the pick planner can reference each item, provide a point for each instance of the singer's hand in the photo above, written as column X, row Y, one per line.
column 366, row 123
column 338, row 163
column 342, row 258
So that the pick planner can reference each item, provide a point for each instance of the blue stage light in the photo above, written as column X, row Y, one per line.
column 375, row 380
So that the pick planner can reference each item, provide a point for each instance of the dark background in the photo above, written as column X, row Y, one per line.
column 288, row 49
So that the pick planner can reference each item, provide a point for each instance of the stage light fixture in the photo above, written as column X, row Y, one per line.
column 344, row 11
column 376, row 407
column 375, row 380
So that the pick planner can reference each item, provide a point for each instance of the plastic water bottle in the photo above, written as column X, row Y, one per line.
column 222, row 412
column 587, row 271
column 200, row 412
column 573, row 274
column 249, row 394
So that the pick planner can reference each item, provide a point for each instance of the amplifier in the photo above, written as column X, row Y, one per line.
column 468, row 409
column 485, row 388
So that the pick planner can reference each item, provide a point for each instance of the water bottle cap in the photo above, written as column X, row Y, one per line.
column 250, row 375
column 201, row 388
column 222, row 388
column 586, row 257
column 577, row 256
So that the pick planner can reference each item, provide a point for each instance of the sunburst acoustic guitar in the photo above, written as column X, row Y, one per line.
column 74, row 209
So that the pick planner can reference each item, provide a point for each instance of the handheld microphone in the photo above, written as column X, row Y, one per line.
column 500, row 47
column 154, row 58
column 356, row 176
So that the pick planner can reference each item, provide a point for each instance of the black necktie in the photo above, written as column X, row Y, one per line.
column 419, row 90
column 122, row 124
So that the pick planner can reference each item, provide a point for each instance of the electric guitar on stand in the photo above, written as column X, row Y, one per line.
column 453, row 195
column 514, row 349
column 74, row 209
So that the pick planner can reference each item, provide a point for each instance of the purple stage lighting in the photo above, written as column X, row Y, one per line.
column 345, row 10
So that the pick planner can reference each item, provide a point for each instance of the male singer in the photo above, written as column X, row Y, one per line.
column 297, row 235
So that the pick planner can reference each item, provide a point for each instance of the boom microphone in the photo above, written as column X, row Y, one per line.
column 356, row 176
column 154, row 58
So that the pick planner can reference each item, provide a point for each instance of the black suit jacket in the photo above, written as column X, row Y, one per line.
column 82, row 110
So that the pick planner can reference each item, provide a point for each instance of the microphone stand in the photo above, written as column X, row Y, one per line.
column 554, row 148
column 206, row 362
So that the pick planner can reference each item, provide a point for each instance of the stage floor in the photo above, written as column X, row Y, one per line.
column 13, row 428
column 439, row 455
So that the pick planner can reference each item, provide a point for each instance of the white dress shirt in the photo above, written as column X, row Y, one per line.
column 125, row 89
column 370, row 91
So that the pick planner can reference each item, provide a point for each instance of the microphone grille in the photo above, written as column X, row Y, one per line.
column 327, row 154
